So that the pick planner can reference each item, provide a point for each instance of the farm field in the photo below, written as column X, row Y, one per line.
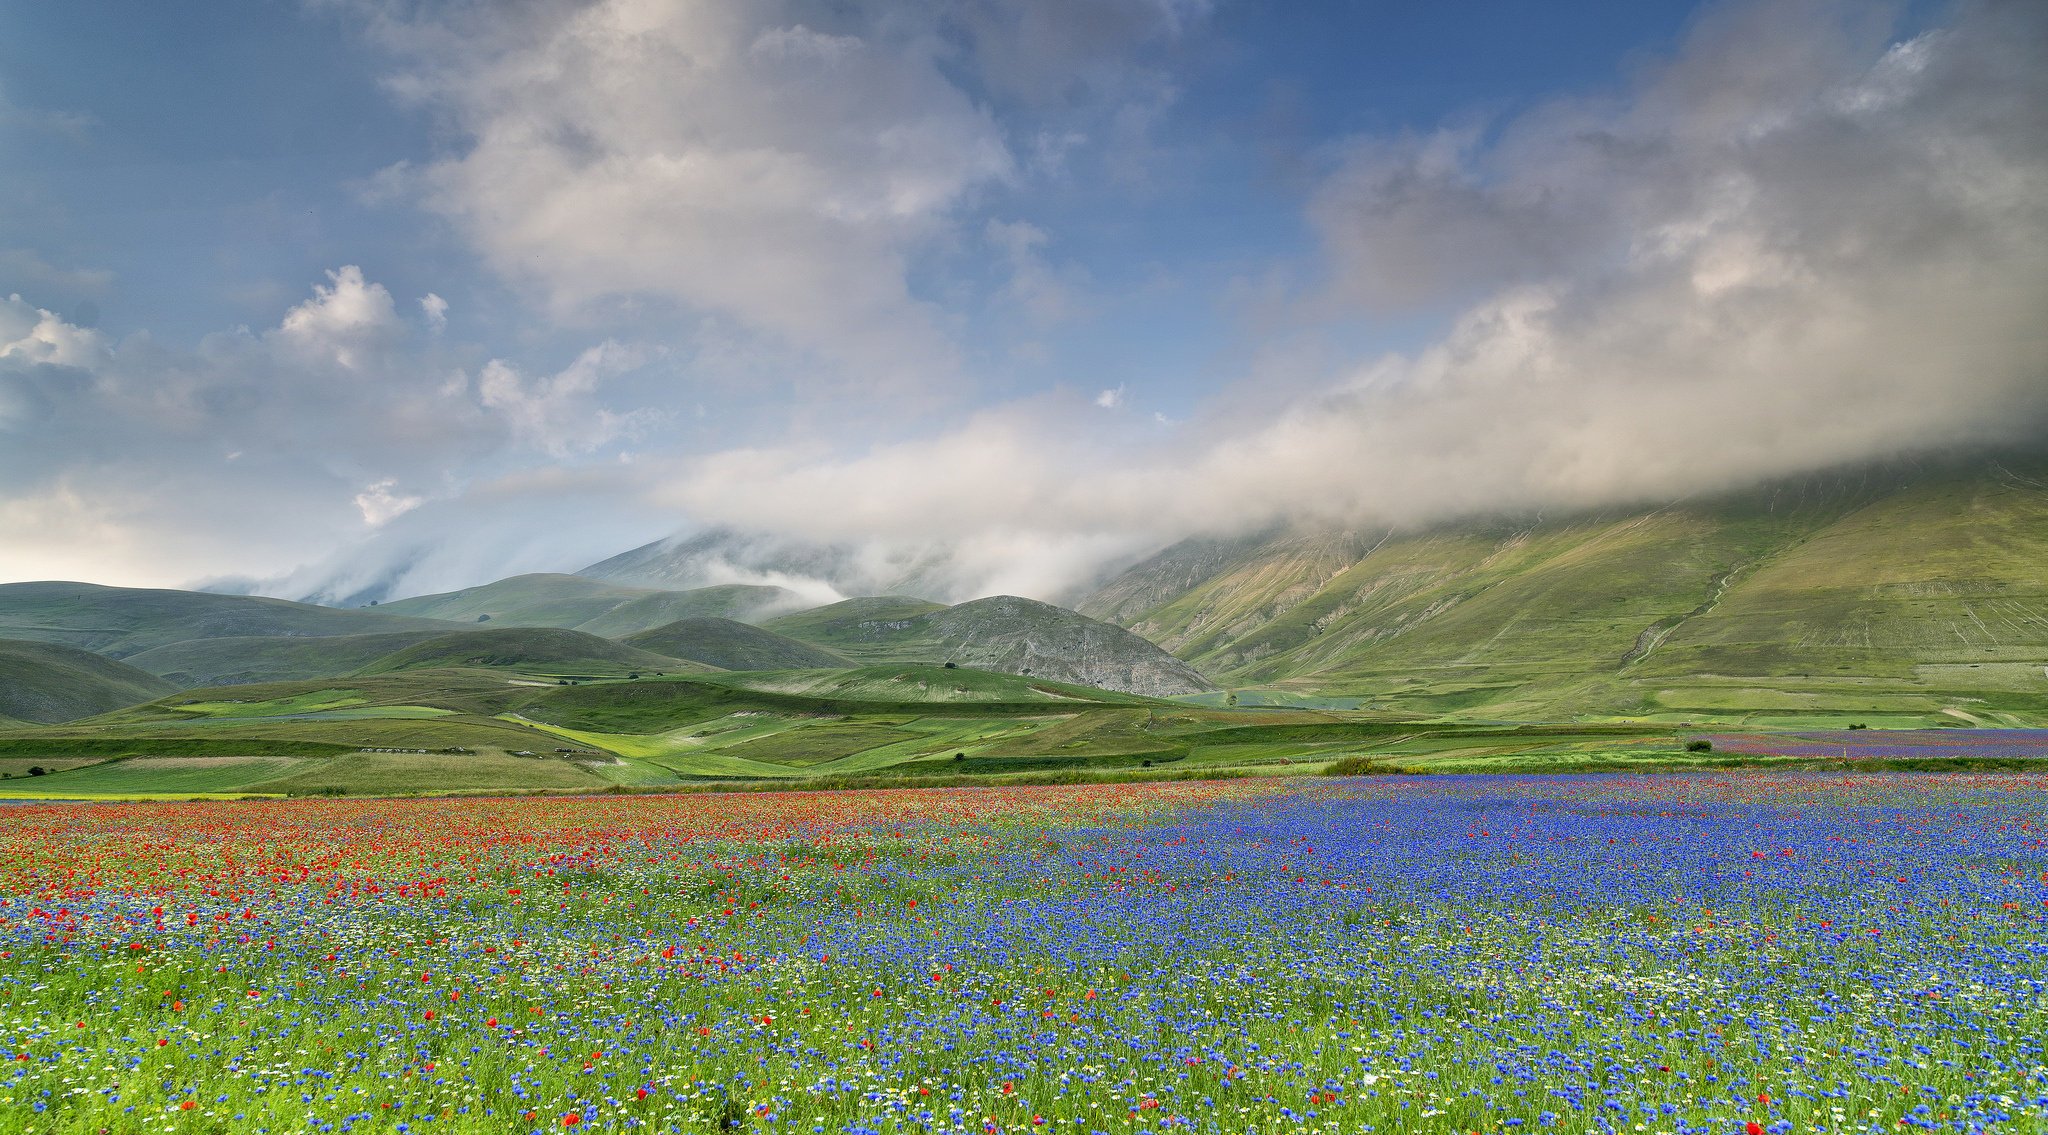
column 1686, row 953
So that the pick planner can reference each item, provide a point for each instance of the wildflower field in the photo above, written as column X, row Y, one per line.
column 1742, row 952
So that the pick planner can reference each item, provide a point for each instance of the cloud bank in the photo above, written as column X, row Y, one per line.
column 1798, row 242
column 1792, row 246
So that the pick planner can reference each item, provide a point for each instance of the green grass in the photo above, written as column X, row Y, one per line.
column 159, row 775
column 529, row 650
column 47, row 682
column 123, row 621
column 286, row 658
column 399, row 773
column 731, row 645
column 572, row 602
column 1906, row 592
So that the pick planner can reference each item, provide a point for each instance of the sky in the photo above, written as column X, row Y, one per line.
column 349, row 297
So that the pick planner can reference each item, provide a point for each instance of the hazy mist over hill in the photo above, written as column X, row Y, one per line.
column 997, row 298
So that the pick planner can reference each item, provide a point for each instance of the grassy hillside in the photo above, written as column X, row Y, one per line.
column 873, row 627
column 1913, row 594
column 1003, row 633
column 45, row 682
column 589, row 605
column 544, row 650
column 245, row 661
column 731, row 645
column 121, row 621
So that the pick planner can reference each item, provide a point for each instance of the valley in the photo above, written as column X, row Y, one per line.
column 1751, row 629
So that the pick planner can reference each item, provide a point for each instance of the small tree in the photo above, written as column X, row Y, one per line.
column 36, row 770
column 1702, row 745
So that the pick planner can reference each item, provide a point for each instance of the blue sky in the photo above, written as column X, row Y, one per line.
column 334, row 293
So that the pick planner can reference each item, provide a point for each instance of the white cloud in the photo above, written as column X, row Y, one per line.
column 347, row 319
column 436, row 310
column 1792, row 246
column 784, row 165
column 1111, row 399
column 380, row 503
column 257, row 451
column 736, row 158
column 557, row 414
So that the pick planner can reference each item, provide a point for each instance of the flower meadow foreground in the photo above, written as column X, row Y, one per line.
column 1738, row 953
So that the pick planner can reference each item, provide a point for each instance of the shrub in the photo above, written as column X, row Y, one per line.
column 1701, row 745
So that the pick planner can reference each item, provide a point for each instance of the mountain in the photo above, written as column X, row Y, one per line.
column 731, row 645
column 549, row 650
column 120, row 621
column 589, row 605
column 1907, row 590
column 718, row 554
column 1003, row 633
column 277, row 658
column 47, row 682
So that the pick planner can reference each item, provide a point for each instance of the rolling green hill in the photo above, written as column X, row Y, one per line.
column 545, row 650
column 857, row 628
column 1003, row 633
column 1910, row 592
column 282, row 658
column 589, row 605
column 121, row 621
column 731, row 645
column 47, row 682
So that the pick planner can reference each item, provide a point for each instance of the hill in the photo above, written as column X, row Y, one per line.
column 277, row 658
column 872, row 627
column 699, row 558
column 607, row 609
column 1908, row 591
column 1003, row 633
column 120, row 621
column 546, row 650
column 731, row 645
column 48, row 682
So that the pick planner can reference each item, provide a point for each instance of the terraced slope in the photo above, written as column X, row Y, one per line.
column 575, row 603
column 48, row 682
column 1909, row 592
column 731, row 645
column 121, row 621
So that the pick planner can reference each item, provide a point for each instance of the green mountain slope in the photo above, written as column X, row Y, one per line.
column 120, row 621
column 1907, row 592
column 546, row 650
column 47, row 683
column 277, row 658
column 607, row 609
column 731, row 645
column 1002, row 633
column 872, row 627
